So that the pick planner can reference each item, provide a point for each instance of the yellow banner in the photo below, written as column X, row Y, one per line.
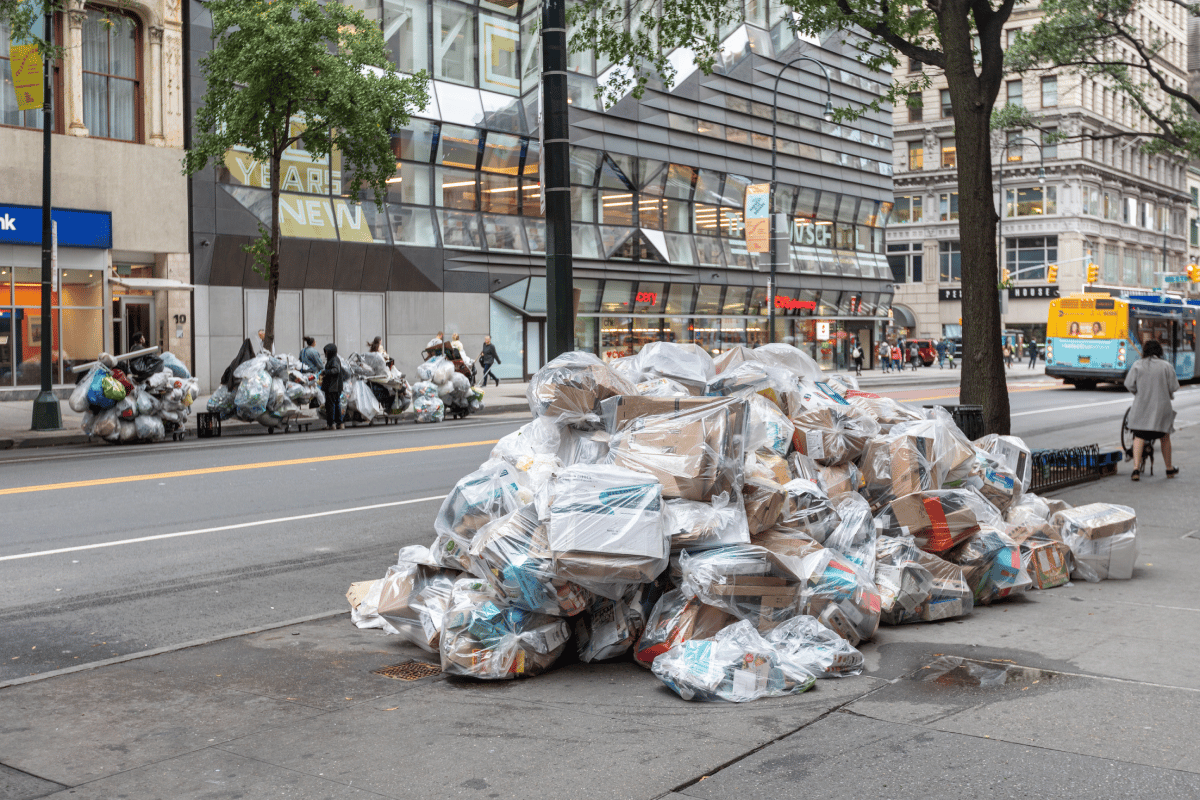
column 27, row 76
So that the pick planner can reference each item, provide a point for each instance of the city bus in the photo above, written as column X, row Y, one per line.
column 1092, row 338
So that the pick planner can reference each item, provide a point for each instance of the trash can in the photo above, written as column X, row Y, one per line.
column 969, row 420
column 208, row 425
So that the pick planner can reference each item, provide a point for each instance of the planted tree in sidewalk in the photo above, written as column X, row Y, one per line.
column 288, row 72
column 962, row 38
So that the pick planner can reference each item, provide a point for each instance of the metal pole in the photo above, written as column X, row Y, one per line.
column 774, row 163
column 556, row 181
column 47, row 416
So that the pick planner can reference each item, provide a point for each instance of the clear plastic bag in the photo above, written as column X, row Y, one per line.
column 833, row 435
column 1102, row 538
column 694, row 525
column 568, row 390
column 840, row 595
column 222, row 402
column 484, row 638
column 253, row 393
column 763, row 499
column 694, row 447
column 991, row 563
column 517, row 561
column 675, row 618
column 79, row 395
column 687, row 364
column 1013, row 453
column 150, row 429
column 884, row 410
column 106, row 424
column 807, row 511
column 895, row 465
column 609, row 628
column 390, row 603
column 730, row 358
column 429, row 409
column 582, row 447
column 737, row 665
column 489, row 493
column 953, row 454
column 662, row 387
column 748, row 581
column 805, row 645
column 786, row 357
column 607, row 510
column 770, row 429
column 938, row 520
column 855, row 535
column 363, row 400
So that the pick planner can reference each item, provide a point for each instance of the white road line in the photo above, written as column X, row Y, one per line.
column 218, row 529
column 1125, row 400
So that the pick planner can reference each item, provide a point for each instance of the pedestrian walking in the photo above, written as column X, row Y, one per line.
column 1008, row 356
column 310, row 357
column 941, row 353
column 898, row 355
column 885, row 356
column 333, row 380
column 376, row 346
column 1153, row 384
column 488, row 357
column 1033, row 353
column 857, row 354
column 914, row 355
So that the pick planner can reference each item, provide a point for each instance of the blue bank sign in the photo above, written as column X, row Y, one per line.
column 23, row 225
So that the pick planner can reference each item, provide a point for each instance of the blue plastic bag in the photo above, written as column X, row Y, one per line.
column 95, row 393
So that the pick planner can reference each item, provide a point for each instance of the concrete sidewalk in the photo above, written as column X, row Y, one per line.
column 16, row 416
column 1100, row 702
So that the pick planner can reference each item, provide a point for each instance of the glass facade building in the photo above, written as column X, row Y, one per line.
column 658, row 189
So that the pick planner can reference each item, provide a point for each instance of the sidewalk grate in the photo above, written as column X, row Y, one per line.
column 408, row 671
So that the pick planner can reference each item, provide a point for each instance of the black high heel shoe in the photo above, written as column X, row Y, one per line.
column 1171, row 473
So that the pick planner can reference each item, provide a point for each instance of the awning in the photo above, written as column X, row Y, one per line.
column 152, row 284
column 903, row 317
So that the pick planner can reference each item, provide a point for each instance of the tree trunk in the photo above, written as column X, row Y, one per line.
column 972, row 95
column 273, row 273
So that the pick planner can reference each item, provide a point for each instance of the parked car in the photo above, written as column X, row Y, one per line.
column 927, row 350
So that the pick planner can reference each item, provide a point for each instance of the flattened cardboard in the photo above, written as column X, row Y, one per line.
column 1096, row 520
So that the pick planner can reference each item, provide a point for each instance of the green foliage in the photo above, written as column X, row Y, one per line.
column 274, row 61
column 260, row 250
column 1101, row 40
column 26, row 21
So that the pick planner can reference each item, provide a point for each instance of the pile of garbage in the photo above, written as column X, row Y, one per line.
column 273, row 389
column 739, row 525
column 444, row 389
column 142, row 398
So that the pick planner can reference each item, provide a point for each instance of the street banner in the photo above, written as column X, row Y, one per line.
column 26, row 64
column 758, row 218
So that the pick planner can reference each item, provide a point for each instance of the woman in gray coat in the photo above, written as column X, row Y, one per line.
column 1153, row 384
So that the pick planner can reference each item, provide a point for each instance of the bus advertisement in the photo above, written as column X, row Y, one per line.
column 1096, row 337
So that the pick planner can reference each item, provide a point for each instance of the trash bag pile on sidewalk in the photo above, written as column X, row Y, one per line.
column 142, row 399
column 444, row 388
column 266, row 388
column 738, row 525
column 375, row 389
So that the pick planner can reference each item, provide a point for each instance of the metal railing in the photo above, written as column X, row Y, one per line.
column 1055, row 469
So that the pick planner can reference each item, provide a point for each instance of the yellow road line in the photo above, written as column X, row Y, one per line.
column 1010, row 391
column 46, row 487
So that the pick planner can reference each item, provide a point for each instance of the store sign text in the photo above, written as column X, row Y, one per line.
column 788, row 304
column 1025, row 292
column 649, row 298
column 815, row 234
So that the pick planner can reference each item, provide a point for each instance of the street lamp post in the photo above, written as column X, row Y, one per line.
column 774, row 159
column 47, row 415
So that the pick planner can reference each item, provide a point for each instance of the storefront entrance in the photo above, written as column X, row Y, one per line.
column 134, row 315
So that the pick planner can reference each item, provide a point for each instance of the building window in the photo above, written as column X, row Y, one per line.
column 916, row 156
column 949, row 262
column 112, row 75
column 1015, row 95
column 1027, row 257
column 1032, row 202
column 1112, row 264
column 948, row 207
column 453, row 43
column 905, row 262
column 1130, row 275
column 949, row 154
column 1195, row 196
column 916, row 107
column 1010, row 36
column 9, row 115
column 907, row 209
column 947, row 106
column 1014, row 146
column 915, row 64
column 408, row 23
column 1049, row 146
column 1093, row 202
column 1050, row 91
column 1194, row 234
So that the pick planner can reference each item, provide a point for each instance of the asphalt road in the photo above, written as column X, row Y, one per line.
column 239, row 534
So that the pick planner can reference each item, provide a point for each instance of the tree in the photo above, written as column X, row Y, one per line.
column 960, row 37
column 283, row 72
column 24, row 19
column 1103, row 40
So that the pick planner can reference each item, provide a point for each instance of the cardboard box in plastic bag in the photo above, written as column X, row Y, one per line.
column 609, row 510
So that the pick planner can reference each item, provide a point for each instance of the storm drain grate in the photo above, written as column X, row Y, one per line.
column 408, row 671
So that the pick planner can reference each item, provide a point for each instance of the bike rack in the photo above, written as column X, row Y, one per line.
column 1055, row 469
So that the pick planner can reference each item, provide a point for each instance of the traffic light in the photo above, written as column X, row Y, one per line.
column 1005, row 276
column 1052, row 273
column 1093, row 273
column 1193, row 273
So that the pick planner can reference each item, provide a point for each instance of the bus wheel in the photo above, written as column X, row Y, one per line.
column 1087, row 386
